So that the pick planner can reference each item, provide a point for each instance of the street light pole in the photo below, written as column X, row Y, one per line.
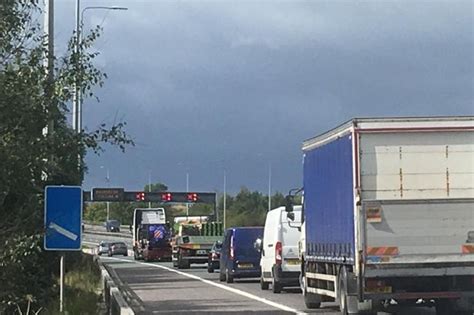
column 270, row 187
column 108, row 186
column 77, row 100
column 225, row 196
column 187, row 190
column 149, row 187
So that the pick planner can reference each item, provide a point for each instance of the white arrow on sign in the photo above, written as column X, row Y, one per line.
column 63, row 231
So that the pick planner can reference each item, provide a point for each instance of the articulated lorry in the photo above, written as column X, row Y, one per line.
column 389, row 215
column 194, row 239
column 151, row 235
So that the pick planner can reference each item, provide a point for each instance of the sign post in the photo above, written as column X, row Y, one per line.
column 62, row 224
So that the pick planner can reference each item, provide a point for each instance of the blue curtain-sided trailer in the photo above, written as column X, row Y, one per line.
column 388, row 215
column 329, row 201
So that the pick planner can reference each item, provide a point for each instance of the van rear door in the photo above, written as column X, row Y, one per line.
column 290, row 236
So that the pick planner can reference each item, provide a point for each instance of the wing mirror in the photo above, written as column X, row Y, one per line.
column 289, row 204
column 290, row 216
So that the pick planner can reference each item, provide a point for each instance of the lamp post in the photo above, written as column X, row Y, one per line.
column 269, row 186
column 77, row 100
column 107, row 179
column 187, row 190
column 225, row 196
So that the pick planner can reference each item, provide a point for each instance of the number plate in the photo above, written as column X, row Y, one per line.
column 293, row 261
column 243, row 266
column 201, row 252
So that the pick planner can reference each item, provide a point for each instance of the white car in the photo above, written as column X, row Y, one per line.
column 280, row 261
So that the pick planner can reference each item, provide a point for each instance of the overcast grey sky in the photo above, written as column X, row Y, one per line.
column 208, row 86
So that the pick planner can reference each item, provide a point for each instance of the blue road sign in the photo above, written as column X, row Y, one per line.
column 62, row 217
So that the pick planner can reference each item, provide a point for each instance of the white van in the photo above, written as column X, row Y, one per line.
column 280, row 260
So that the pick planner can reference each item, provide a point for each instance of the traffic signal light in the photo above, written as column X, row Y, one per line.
column 193, row 197
column 140, row 196
column 165, row 197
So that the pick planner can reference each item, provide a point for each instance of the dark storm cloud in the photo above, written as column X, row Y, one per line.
column 211, row 85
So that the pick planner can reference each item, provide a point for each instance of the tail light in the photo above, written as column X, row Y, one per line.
column 278, row 254
column 232, row 248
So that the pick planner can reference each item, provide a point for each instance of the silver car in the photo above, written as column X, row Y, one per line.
column 103, row 248
column 117, row 248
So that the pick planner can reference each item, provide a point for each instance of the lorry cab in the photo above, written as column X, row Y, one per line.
column 239, row 256
column 280, row 262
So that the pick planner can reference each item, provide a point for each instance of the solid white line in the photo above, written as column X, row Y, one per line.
column 222, row 286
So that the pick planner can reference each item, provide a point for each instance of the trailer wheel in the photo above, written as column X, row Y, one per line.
column 228, row 277
column 182, row 263
column 221, row 275
column 342, row 291
column 311, row 300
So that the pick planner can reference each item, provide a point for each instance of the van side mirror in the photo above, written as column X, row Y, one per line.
column 258, row 244
column 290, row 216
column 289, row 203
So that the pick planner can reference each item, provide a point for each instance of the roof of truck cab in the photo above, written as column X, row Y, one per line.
column 389, row 124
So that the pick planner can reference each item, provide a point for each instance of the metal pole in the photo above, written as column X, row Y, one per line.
column 225, row 195
column 149, row 188
column 61, row 284
column 75, row 100
column 79, row 24
column 108, row 185
column 49, row 60
column 187, row 190
column 269, row 187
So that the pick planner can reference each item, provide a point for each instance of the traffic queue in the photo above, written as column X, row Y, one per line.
column 269, row 253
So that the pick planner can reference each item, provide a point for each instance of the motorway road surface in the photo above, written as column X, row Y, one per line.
column 158, row 288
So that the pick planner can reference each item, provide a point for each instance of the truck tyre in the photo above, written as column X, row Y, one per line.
column 263, row 284
column 221, row 275
column 182, row 263
column 311, row 300
column 228, row 277
column 342, row 296
column 276, row 286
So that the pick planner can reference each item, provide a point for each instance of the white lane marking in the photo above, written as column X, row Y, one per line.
column 63, row 231
column 222, row 286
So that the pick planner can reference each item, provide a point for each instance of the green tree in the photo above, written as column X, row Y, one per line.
column 31, row 159
column 155, row 187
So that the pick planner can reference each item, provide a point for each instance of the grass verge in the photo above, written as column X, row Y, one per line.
column 82, row 287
